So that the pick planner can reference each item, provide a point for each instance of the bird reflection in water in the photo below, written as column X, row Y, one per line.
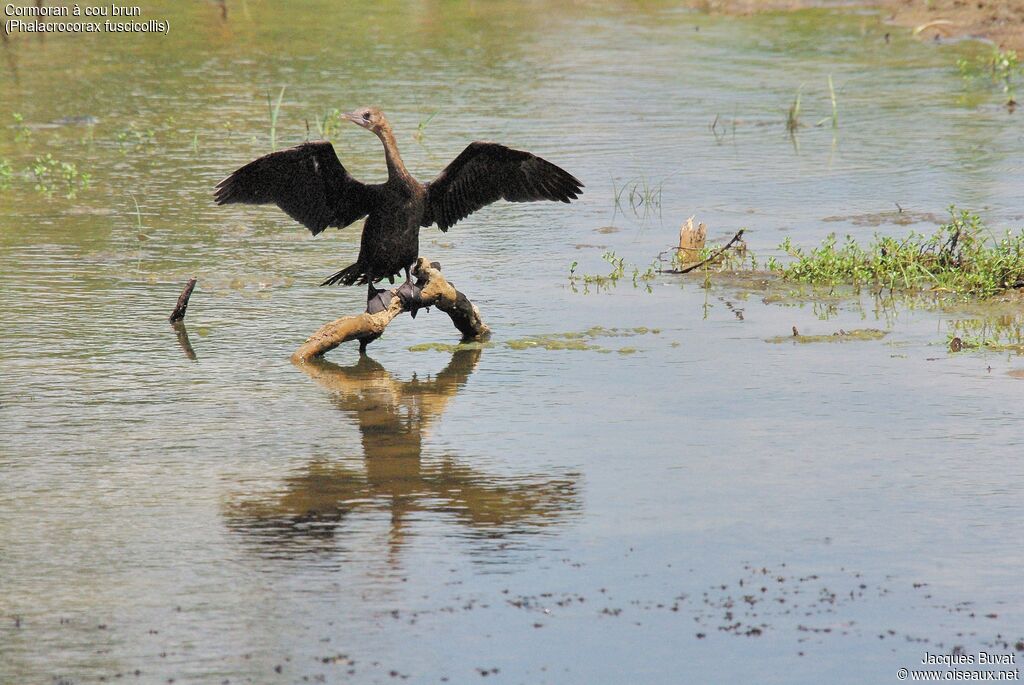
column 315, row 507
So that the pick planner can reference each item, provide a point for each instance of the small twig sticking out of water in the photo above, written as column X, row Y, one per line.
column 179, row 310
column 718, row 253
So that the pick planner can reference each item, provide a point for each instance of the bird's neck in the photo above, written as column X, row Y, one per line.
column 396, row 168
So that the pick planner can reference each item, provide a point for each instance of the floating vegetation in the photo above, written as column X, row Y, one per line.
column 6, row 173
column 573, row 340
column 962, row 257
column 51, row 176
column 611, row 279
column 898, row 216
column 134, row 136
column 447, row 347
column 958, row 344
column 839, row 336
column 999, row 334
column 22, row 132
column 1001, row 67
column 550, row 342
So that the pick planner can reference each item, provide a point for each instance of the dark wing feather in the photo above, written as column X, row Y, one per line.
column 488, row 172
column 308, row 182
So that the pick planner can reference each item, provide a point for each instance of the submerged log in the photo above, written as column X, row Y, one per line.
column 431, row 290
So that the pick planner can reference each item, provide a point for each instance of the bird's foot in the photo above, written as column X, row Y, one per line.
column 410, row 296
column 377, row 300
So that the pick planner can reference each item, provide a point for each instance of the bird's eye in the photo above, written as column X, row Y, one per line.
column 366, row 116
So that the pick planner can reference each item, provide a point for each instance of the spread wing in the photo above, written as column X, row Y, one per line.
column 488, row 172
column 308, row 182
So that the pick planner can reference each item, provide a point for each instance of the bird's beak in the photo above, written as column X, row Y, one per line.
column 356, row 119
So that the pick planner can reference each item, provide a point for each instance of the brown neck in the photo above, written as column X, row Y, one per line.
column 396, row 168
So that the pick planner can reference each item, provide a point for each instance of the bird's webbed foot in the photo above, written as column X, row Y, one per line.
column 411, row 293
column 410, row 296
column 377, row 300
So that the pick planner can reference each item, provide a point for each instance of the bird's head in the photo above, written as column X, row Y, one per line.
column 369, row 118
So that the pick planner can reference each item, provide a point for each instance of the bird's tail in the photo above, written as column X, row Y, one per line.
column 350, row 275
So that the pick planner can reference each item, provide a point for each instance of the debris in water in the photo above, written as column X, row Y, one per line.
column 179, row 310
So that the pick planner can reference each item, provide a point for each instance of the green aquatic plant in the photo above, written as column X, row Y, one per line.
column 274, row 110
column 51, row 175
column 421, row 128
column 328, row 124
column 835, row 105
column 961, row 257
column 612, row 278
column 956, row 344
column 1001, row 67
column 134, row 136
column 640, row 196
column 617, row 263
column 793, row 114
column 140, row 236
column 6, row 174
column 22, row 132
column 995, row 332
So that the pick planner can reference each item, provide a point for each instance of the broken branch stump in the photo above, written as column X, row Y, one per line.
column 431, row 290
column 179, row 310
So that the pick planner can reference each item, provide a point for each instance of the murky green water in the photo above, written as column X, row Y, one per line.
column 519, row 515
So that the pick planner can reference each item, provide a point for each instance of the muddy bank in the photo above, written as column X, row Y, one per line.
column 999, row 21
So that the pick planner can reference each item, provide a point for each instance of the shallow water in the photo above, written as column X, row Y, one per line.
column 560, row 516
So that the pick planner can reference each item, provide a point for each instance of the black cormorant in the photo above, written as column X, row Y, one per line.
column 310, row 184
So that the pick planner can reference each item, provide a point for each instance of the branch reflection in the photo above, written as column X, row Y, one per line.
column 318, row 504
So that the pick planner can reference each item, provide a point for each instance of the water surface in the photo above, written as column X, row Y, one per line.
column 194, row 507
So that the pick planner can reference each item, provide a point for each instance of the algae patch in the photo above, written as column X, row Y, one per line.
column 449, row 347
column 572, row 340
column 839, row 336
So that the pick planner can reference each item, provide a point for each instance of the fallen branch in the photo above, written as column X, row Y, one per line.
column 179, row 310
column 718, row 253
column 431, row 290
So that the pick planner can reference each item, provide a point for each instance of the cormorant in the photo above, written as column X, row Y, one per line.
column 310, row 184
